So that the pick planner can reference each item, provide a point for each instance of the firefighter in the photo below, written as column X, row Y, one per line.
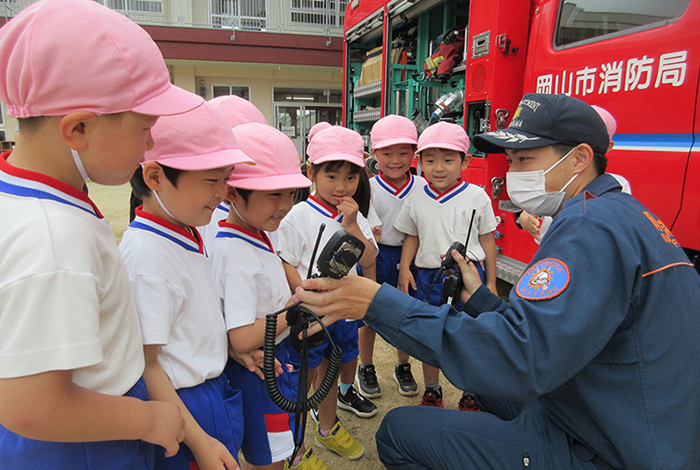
column 592, row 364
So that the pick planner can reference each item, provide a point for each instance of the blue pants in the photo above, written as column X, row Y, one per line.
column 21, row 453
column 218, row 409
column 507, row 436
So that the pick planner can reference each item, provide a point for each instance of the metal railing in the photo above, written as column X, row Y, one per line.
column 312, row 17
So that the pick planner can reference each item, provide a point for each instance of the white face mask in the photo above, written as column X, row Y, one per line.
column 526, row 190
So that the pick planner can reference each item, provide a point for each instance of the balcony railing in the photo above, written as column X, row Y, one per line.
column 313, row 17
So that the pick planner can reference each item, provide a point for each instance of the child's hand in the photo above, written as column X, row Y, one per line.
column 253, row 361
column 211, row 454
column 406, row 280
column 530, row 223
column 377, row 233
column 349, row 208
column 168, row 428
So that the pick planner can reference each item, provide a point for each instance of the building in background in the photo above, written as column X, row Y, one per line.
column 283, row 55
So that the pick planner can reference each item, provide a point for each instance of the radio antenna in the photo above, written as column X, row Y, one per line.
column 313, row 253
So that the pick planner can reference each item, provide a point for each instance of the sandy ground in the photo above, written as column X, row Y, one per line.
column 114, row 204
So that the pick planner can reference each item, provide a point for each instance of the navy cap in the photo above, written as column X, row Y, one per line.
column 542, row 120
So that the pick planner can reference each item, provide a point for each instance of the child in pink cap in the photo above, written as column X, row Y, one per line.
column 252, row 283
column 336, row 159
column 394, row 142
column 86, row 84
column 236, row 111
column 181, row 182
column 437, row 215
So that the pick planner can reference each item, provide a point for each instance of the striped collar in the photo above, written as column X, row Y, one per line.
column 258, row 240
column 25, row 183
column 447, row 195
column 320, row 207
column 223, row 207
column 178, row 235
column 401, row 192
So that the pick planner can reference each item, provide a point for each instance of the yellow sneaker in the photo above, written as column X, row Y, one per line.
column 341, row 442
column 309, row 461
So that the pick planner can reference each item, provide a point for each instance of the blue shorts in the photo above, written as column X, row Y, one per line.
column 268, row 435
column 424, row 278
column 218, row 409
column 21, row 453
column 344, row 335
column 388, row 261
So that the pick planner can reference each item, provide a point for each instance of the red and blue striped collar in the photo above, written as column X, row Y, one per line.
column 320, row 207
column 178, row 235
column 25, row 183
column 447, row 195
column 401, row 192
column 258, row 240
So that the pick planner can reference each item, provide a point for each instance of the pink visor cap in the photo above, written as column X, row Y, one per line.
column 60, row 56
column 444, row 135
column 278, row 163
column 608, row 119
column 393, row 130
column 197, row 140
column 337, row 143
column 237, row 110
column 318, row 127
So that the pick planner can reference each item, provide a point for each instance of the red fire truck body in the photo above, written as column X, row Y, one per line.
column 639, row 59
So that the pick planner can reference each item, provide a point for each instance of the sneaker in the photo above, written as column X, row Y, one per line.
column 432, row 398
column 353, row 401
column 341, row 442
column 313, row 412
column 404, row 379
column 467, row 403
column 366, row 382
column 309, row 461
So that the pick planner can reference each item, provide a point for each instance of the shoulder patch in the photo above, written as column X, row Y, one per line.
column 543, row 280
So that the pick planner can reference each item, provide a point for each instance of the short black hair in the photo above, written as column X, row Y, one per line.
column 600, row 161
column 244, row 193
column 31, row 124
column 141, row 189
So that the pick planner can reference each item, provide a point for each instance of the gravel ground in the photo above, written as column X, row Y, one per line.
column 114, row 204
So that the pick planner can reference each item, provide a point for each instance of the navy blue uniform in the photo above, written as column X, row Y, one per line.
column 594, row 362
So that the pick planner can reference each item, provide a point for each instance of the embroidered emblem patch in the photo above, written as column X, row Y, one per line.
column 543, row 280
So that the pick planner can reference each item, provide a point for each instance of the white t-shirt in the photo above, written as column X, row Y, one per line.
column 176, row 299
column 387, row 200
column 440, row 219
column 208, row 232
column 297, row 233
column 249, row 276
column 65, row 302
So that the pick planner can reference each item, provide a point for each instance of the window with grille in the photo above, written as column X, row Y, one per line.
column 319, row 12
column 140, row 7
column 239, row 14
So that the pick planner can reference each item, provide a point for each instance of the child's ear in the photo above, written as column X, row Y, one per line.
column 465, row 162
column 74, row 128
column 232, row 195
column 310, row 173
column 153, row 175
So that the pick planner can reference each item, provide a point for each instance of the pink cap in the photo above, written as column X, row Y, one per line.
column 608, row 119
column 444, row 135
column 237, row 110
column 197, row 140
column 337, row 143
column 278, row 163
column 318, row 127
column 393, row 130
column 60, row 56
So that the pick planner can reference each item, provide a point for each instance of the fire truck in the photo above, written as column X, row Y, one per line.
column 638, row 59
